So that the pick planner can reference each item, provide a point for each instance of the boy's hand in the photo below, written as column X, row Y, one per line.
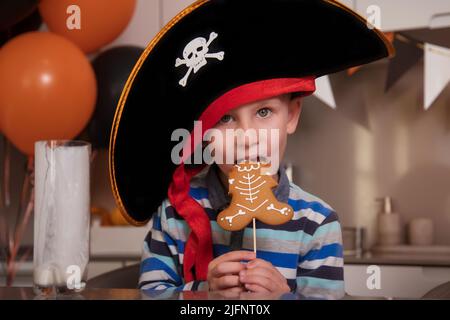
column 261, row 276
column 223, row 272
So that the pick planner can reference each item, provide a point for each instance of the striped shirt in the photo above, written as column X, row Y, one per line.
column 307, row 250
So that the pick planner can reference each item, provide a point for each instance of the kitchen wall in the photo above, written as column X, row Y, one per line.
column 374, row 144
column 377, row 144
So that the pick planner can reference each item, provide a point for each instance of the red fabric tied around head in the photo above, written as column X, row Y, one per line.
column 198, row 250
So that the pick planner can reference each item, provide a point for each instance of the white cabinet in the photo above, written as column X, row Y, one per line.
column 396, row 15
column 117, row 241
column 395, row 281
column 151, row 15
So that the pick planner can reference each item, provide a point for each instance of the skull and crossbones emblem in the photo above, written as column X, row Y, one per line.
column 195, row 54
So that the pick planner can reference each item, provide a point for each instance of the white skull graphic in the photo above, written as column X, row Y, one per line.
column 195, row 55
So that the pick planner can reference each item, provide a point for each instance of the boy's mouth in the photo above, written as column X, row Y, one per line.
column 258, row 158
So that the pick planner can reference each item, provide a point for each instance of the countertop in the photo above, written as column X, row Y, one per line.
column 399, row 260
column 27, row 293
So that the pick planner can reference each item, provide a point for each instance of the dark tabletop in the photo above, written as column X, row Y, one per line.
column 27, row 293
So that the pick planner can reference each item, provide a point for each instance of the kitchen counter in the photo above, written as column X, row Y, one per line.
column 404, row 259
column 27, row 293
column 412, row 260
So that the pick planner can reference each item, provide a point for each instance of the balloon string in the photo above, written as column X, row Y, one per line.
column 5, row 201
column 94, row 154
column 14, row 244
column 4, row 236
column 3, row 241
column 6, row 173
column 25, row 191
column 2, row 196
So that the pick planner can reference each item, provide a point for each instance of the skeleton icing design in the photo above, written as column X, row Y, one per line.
column 252, row 197
column 195, row 55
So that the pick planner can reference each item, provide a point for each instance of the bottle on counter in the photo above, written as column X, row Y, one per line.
column 421, row 232
column 389, row 225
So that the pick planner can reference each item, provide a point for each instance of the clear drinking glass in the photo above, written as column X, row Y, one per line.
column 62, row 216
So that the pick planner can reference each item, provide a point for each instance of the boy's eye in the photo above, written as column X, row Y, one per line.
column 226, row 119
column 264, row 112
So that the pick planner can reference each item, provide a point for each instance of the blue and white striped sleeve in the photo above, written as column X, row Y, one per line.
column 320, row 273
column 160, row 264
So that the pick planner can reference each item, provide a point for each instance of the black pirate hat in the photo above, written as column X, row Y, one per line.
column 207, row 51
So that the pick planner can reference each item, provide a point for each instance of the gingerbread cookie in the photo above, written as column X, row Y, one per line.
column 252, row 197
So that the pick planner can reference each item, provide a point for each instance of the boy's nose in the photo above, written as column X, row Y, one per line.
column 248, row 127
column 246, row 124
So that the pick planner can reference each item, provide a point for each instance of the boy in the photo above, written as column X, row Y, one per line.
column 303, row 256
column 213, row 64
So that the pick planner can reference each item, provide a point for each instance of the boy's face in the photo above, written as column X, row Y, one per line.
column 279, row 114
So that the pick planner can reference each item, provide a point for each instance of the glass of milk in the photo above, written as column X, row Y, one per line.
column 62, row 216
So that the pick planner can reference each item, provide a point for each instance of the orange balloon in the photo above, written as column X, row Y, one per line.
column 48, row 89
column 99, row 21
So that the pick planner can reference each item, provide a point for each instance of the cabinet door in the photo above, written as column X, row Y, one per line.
column 395, row 281
column 398, row 15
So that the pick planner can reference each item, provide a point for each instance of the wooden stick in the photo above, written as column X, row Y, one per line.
column 6, row 173
column 254, row 235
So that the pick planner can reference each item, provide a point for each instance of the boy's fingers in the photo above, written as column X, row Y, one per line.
column 256, row 292
column 261, row 264
column 235, row 256
column 226, row 268
column 226, row 282
column 263, row 272
column 254, row 288
column 231, row 293
column 264, row 282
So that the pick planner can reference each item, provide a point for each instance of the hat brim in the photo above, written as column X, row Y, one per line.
column 261, row 39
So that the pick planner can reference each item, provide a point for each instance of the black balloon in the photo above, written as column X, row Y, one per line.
column 14, row 11
column 112, row 68
column 31, row 23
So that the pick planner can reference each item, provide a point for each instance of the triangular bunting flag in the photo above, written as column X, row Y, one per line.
column 324, row 91
column 407, row 55
column 437, row 72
